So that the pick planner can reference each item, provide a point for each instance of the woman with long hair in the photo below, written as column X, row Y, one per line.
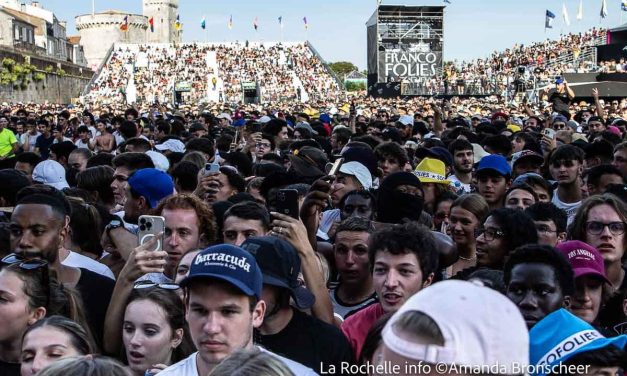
column 28, row 293
column 154, row 332
column 51, row 339
column 466, row 215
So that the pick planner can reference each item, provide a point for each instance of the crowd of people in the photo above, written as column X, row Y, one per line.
column 344, row 235
column 282, row 72
column 326, row 238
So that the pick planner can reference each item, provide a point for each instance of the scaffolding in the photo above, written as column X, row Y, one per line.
column 398, row 34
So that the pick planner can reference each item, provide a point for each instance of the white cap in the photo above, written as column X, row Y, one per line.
column 226, row 116
column 51, row 173
column 173, row 145
column 264, row 119
column 160, row 161
column 407, row 120
column 359, row 171
column 479, row 152
column 480, row 326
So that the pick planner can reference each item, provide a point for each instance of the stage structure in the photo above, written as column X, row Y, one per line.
column 405, row 46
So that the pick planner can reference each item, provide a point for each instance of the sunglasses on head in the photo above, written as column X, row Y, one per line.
column 150, row 284
column 29, row 265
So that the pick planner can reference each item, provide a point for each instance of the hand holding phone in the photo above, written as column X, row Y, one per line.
column 211, row 168
column 287, row 202
column 151, row 226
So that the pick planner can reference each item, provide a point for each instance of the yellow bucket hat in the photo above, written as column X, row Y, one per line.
column 431, row 170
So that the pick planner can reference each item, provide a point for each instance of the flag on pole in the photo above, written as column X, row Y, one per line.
column 580, row 11
column 151, row 21
column 447, row 1
column 178, row 25
column 306, row 24
column 256, row 23
column 281, row 21
column 124, row 26
column 203, row 23
column 565, row 14
column 623, row 5
column 548, row 23
column 603, row 13
column 230, row 24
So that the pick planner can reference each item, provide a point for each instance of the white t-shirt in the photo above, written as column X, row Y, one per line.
column 79, row 261
column 81, row 145
column 570, row 209
column 32, row 139
column 187, row 366
column 460, row 188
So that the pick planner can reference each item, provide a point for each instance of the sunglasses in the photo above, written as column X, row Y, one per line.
column 30, row 265
column 149, row 284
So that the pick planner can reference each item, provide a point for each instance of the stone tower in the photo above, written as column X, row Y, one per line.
column 164, row 14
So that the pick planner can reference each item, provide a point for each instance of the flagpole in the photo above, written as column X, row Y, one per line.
column 93, row 8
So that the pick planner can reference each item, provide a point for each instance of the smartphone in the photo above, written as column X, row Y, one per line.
column 212, row 168
column 149, row 227
column 287, row 202
column 549, row 132
column 336, row 166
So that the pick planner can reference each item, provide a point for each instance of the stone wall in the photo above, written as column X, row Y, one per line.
column 54, row 89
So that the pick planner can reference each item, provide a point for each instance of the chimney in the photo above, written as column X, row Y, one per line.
column 23, row 7
column 35, row 4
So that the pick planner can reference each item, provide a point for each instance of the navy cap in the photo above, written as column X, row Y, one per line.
column 437, row 152
column 230, row 264
column 495, row 162
column 152, row 184
column 280, row 265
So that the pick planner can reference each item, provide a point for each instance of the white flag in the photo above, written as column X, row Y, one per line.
column 565, row 15
column 603, row 9
column 580, row 11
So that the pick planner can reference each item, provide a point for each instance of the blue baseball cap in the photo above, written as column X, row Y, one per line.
column 495, row 162
column 230, row 264
column 152, row 184
column 560, row 336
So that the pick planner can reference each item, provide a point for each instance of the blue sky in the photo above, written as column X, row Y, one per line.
column 473, row 28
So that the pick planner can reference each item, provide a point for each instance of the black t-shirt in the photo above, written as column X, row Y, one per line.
column 44, row 145
column 611, row 314
column 311, row 342
column 9, row 369
column 96, row 291
column 560, row 101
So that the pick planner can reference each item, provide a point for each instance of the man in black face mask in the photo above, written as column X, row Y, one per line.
column 400, row 197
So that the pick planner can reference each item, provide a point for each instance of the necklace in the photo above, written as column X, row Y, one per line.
column 467, row 258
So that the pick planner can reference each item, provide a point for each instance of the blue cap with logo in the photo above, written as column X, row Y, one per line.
column 230, row 264
column 152, row 184
column 560, row 336
column 495, row 162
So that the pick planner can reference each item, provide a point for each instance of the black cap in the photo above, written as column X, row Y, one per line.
column 280, row 265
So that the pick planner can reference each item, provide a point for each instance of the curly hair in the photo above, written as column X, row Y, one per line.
column 404, row 239
column 518, row 227
column 206, row 220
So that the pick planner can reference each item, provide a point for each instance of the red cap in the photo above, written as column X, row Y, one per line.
column 584, row 258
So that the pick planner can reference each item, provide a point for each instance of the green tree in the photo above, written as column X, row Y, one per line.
column 342, row 68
